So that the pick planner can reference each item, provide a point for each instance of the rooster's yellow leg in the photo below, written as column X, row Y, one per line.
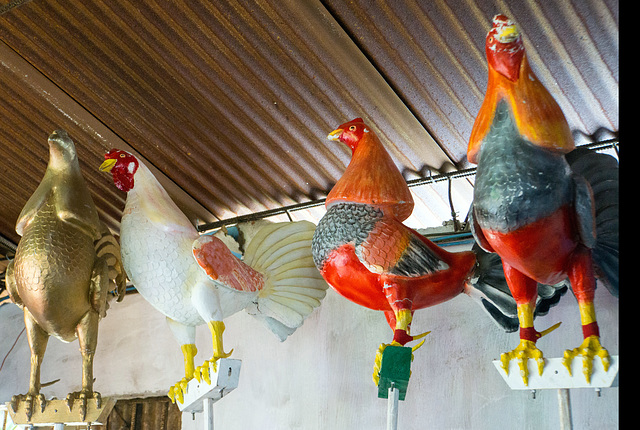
column 525, row 292
column 401, row 336
column 527, row 348
column 202, row 372
column 583, row 282
column 177, row 392
column 590, row 347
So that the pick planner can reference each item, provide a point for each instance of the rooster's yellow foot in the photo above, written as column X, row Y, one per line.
column 524, row 351
column 378, row 361
column 589, row 349
column 177, row 392
column 202, row 372
column 29, row 403
column 83, row 395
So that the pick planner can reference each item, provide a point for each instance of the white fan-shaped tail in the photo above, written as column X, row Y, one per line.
column 293, row 285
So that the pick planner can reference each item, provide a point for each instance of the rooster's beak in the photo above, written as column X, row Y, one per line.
column 335, row 134
column 107, row 165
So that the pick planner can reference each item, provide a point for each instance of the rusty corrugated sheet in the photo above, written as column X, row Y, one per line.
column 231, row 101
column 228, row 100
column 35, row 107
column 432, row 53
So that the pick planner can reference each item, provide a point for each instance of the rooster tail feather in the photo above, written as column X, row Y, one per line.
column 293, row 285
column 602, row 173
column 488, row 287
column 107, row 248
column 281, row 331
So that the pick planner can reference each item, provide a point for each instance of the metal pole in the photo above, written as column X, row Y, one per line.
column 208, row 413
column 431, row 179
column 392, row 407
column 564, row 404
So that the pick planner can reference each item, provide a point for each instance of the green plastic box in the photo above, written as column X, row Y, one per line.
column 394, row 367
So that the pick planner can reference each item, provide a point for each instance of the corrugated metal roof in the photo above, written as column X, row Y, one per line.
column 230, row 102
column 432, row 53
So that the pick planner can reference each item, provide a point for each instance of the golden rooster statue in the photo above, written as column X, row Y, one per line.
column 64, row 267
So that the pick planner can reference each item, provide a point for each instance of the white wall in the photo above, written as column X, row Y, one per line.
column 320, row 378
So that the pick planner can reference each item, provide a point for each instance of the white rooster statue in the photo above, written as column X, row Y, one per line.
column 194, row 279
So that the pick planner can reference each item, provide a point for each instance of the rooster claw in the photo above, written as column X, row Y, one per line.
column 177, row 392
column 30, row 400
column 83, row 396
column 202, row 372
column 419, row 336
column 550, row 329
column 377, row 365
column 522, row 353
column 589, row 349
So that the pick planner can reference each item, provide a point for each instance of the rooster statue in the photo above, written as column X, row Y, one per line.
column 65, row 265
column 195, row 279
column 534, row 201
column 367, row 254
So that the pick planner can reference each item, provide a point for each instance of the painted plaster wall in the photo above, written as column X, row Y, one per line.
column 320, row 378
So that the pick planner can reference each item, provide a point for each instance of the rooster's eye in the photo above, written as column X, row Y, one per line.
column 352, row 128
column 491, row 39
column 122, row 155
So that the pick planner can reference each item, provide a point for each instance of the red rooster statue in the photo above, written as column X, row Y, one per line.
column 365, row 252
column 535, row 201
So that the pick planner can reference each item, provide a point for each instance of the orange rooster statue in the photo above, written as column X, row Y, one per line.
column 548, row 209
column 195, row 279
column 367, row 254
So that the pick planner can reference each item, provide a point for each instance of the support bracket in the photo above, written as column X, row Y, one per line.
column 223, row 380
column 556, row 376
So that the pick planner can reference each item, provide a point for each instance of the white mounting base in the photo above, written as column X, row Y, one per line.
column 556, row 376
column 223, row 381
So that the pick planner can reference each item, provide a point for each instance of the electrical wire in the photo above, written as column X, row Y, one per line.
column 11, row 349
